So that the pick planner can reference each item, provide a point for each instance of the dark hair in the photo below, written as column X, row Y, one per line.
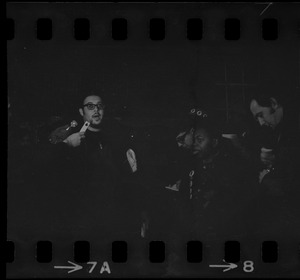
column 210, row 126
column 264, row 99
column 84, row 96
column 265, row 91
column 207, row 119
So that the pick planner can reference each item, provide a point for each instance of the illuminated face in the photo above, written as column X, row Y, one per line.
column 203, row 143
column 92, row 110
column 267, row 116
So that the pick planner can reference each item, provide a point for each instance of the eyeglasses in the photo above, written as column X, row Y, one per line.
column 92, row 106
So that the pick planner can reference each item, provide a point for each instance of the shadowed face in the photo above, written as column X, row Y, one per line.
column 92, row 110
column 204, row 144
column 267, row 116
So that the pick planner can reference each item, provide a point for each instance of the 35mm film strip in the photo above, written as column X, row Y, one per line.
column 153, row 140
column 156, row 28
column 156, row 255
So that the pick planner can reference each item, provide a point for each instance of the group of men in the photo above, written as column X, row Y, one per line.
column 207, row 192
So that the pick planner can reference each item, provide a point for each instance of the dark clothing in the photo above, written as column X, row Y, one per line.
column 140, row 192
column 212, row 198
column 285, row 142
column 85, row 177
column 277, row 205
column 92, row 159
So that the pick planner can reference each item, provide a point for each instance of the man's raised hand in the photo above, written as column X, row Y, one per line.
column 74, row 140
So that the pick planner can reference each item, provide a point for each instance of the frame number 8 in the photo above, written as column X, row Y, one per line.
column 248, row 266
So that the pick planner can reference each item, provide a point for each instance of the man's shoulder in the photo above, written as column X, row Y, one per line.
column 290, row 135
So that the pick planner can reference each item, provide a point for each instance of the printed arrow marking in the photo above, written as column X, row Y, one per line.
column 73, row 268
column 227, row 266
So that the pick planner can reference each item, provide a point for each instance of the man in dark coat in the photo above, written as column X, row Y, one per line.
column 215, row 187
column 279, row 161
column 211, row 192
column 84, row 174
column 282, row 126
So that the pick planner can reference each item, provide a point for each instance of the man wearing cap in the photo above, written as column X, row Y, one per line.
column 210, row 192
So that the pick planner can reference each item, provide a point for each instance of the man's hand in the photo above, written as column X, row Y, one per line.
column 267, row 158
column 74, row 140
column 185, row 139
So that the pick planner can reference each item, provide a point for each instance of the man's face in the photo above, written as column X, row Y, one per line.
column 266, row 116
column 203, row 144
column 92, row 110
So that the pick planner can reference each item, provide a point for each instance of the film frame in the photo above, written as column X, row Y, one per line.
column 174, row 35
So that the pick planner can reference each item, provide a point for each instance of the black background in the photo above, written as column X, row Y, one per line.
column 144, row 83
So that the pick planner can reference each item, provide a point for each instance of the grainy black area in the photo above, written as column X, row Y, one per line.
column 151, row 67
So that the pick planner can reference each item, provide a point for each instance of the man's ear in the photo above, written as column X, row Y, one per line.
column 81, row 111
column 274, row 103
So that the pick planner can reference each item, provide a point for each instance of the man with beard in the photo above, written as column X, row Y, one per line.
column 85, row 174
